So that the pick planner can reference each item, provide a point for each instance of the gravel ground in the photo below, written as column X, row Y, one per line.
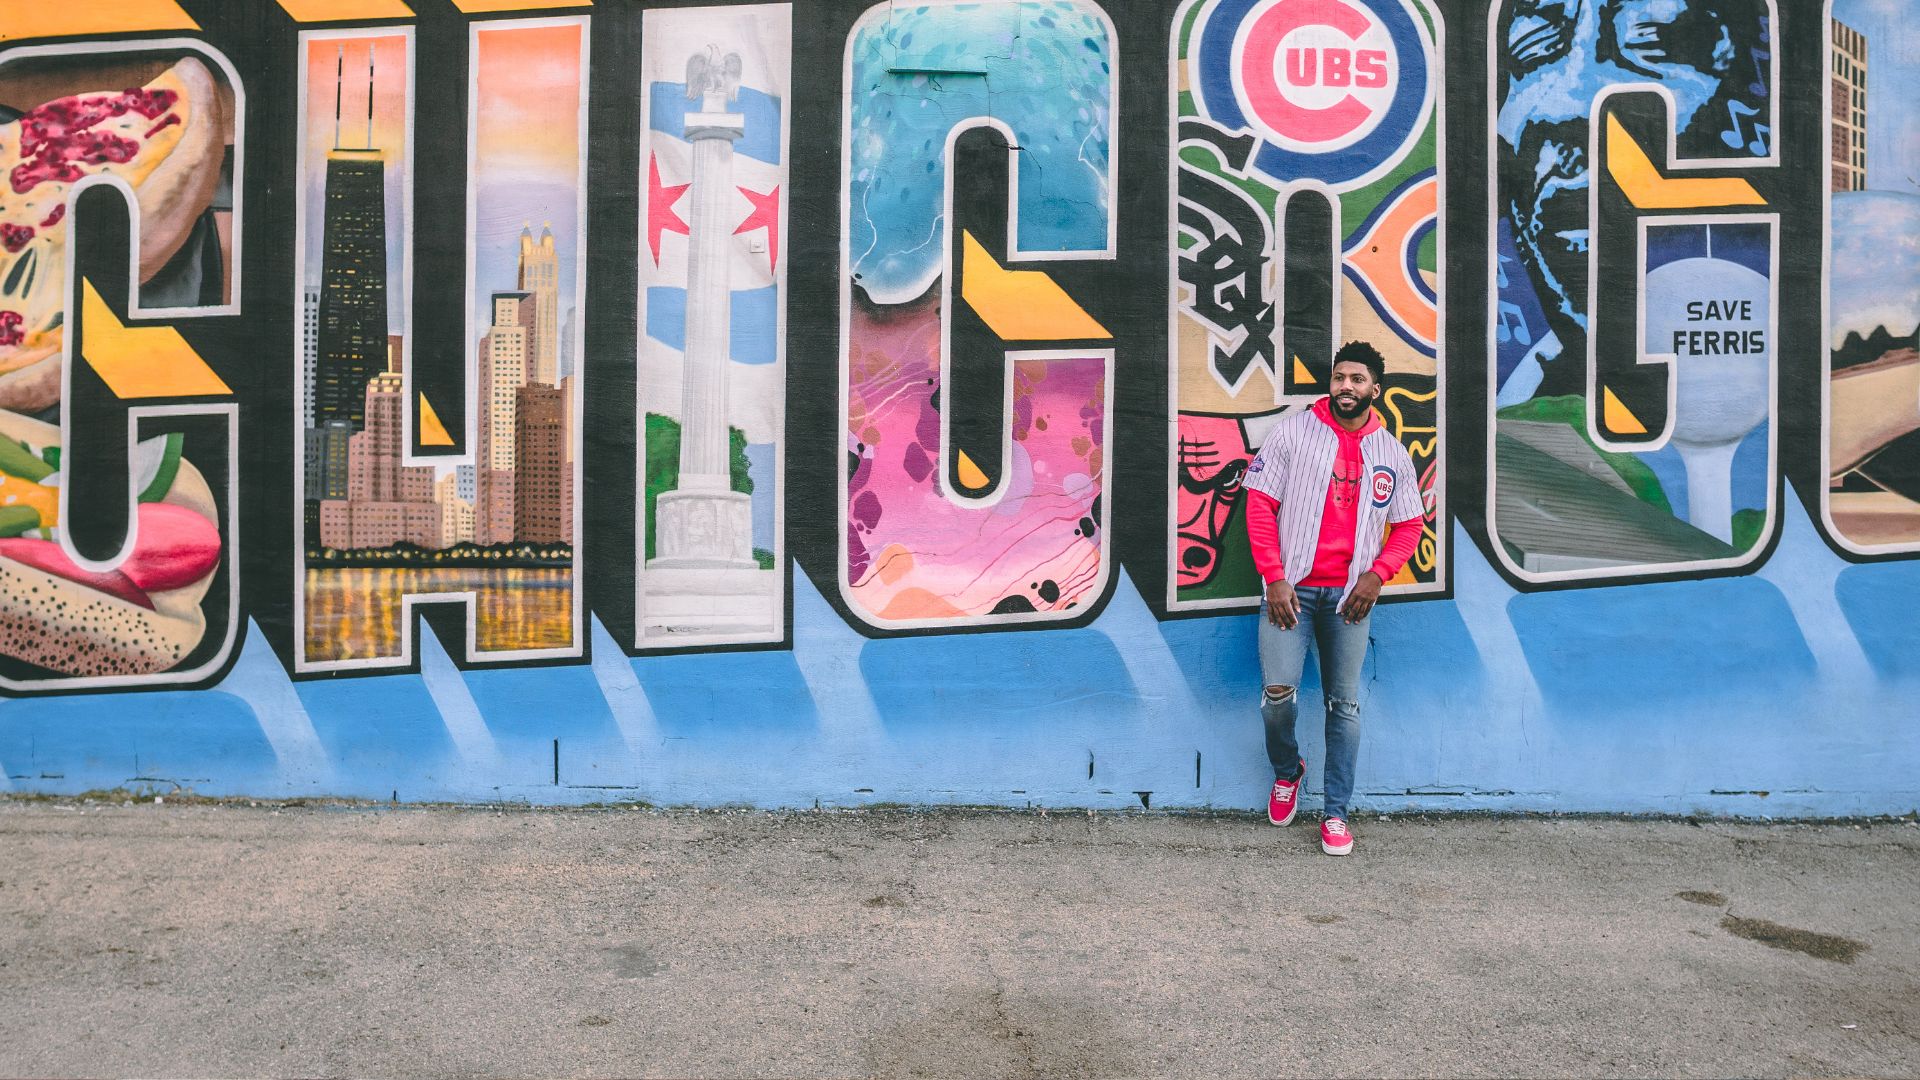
column 238, row 940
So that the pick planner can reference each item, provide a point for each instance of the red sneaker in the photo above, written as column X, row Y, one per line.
column 1284, row 799
column 1334, row 837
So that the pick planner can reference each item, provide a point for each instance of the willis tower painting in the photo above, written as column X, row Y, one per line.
column 352, row 345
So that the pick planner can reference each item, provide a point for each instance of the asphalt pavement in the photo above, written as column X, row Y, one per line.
column 267, row 940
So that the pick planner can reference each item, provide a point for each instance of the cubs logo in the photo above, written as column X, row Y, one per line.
column 1382, row 485
column 1337, row 90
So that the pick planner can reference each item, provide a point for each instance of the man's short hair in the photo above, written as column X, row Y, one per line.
column 1359, row 352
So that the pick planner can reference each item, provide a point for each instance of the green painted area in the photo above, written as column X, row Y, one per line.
column 1355, row 205
column 1186, row 27
column 1571, row 409
column 663, row 469
column 1235, row 577
column 1748, row 525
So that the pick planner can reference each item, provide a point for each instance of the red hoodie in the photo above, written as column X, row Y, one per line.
column 1333, row 556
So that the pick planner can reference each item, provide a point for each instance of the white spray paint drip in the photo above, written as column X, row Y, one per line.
column 625, row 697
column 448, row 688
column 827, row 652
column 259, row 680
column 1807, row 574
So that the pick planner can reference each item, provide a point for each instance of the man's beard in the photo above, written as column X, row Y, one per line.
column 1348, row 412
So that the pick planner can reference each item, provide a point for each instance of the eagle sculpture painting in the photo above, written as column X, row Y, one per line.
column 710, row 73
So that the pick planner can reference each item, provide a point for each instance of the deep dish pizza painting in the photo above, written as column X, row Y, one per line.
column 162, row 120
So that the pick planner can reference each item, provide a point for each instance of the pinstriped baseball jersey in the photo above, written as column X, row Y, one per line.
column 1294, row 467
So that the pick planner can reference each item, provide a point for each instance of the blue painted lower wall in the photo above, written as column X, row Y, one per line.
column 1788, row 693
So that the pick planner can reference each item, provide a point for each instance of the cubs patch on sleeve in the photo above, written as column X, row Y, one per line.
column 1381, row 485
column 1404, row 501
column 1266, row 473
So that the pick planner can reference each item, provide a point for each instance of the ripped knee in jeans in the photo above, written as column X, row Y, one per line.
column 1277, row 695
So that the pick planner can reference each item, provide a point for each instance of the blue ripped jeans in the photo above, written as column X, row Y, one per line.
column 1342, row 647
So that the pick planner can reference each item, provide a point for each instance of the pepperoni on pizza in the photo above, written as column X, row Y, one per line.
column 165, row 139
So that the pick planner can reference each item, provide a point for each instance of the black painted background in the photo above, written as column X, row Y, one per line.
column 254, row 351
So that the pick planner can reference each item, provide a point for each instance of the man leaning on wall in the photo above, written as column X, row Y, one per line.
column 1333, row 513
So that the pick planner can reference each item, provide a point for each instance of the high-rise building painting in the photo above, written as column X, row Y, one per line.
column 541, row 464
column 387, row 502
column 540, row 279
column 1847, row 142
column 491, row 530
column 502, row 372
column 351, row 337
column 309, row 350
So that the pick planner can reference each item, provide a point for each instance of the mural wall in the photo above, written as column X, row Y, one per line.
column 584, row 402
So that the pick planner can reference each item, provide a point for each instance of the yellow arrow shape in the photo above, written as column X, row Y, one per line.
column 971, row 476
column 38, row 18
column 1020, row 305
column 334, row 10
column 1620, row 419
column 1640, row 181
column 472, row 7
column 432, row 431
column 141, row 361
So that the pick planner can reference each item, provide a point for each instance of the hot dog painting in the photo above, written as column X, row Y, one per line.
column 145, row 616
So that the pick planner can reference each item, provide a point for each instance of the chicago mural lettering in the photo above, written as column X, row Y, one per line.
column 1636, row 345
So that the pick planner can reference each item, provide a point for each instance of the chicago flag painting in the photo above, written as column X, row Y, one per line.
column 712, row 365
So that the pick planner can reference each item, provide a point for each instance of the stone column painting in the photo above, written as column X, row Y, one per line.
column 712, row 370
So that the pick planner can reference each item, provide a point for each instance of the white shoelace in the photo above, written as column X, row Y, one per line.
column 1336, row 827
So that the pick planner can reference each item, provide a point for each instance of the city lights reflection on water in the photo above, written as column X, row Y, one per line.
column 355, row 613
